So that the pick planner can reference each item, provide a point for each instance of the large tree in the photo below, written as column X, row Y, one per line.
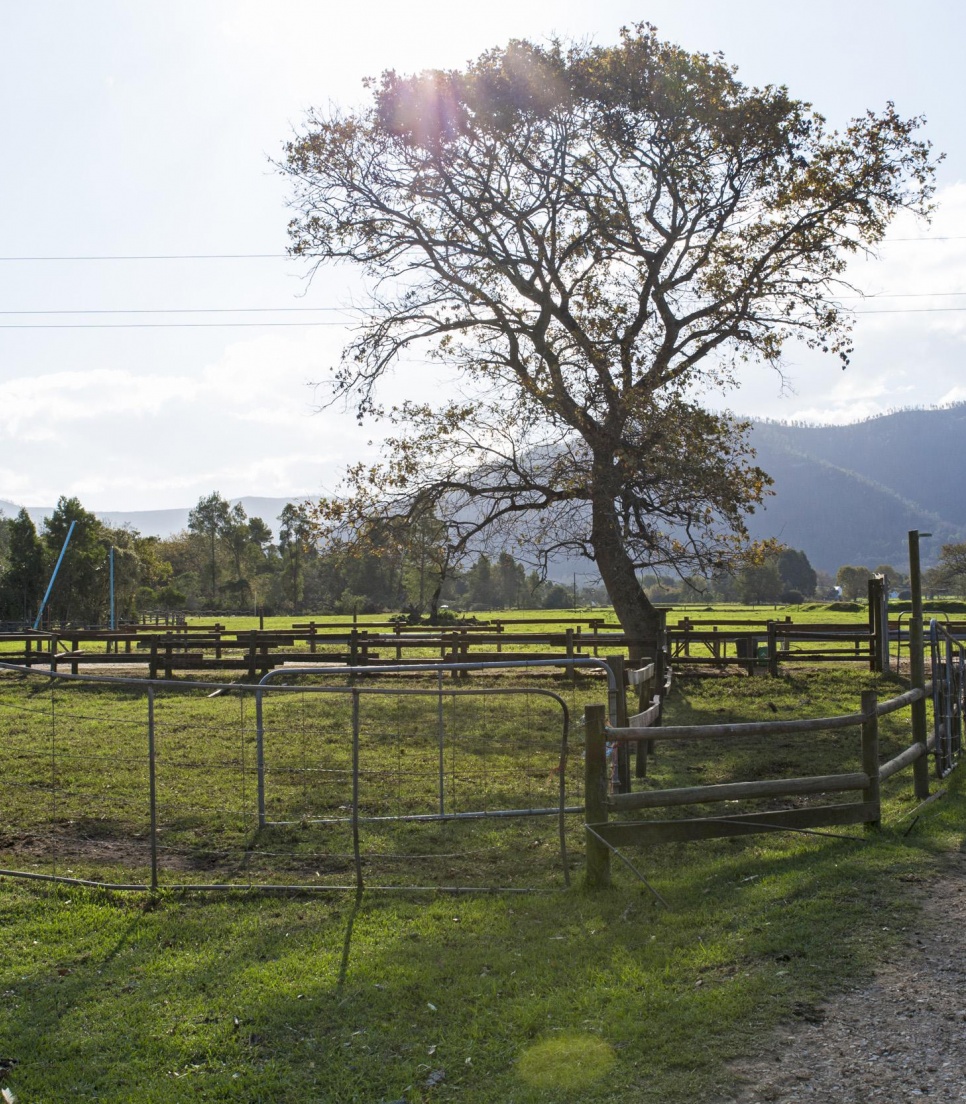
column 589, row 235
column 211, row 520
column 81, row 585
column 22, row 581
column 797, row 573
column 294, row 536
column 950, row 572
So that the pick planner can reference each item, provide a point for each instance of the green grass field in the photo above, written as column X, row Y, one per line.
column 540, row 995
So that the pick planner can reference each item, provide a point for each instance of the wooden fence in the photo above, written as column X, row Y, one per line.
column 254, row 652
column 756, row 646
column 765, row 645
column 604, row 835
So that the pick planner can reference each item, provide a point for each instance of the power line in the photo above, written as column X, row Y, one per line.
column 159, row 257
column 232, row 324
column 148, row 325
column 47, row 312
column 910, row 310
column 903, row 295
column 289, row 256
column 180, row 310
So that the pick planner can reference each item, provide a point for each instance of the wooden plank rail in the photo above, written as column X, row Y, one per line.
column 739, row 791
column 693, row 641
column 265, row 649
column 618, row 833
column 738, row 730
column 603, row 835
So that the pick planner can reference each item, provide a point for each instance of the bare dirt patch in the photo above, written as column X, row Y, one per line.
column 899, row 1038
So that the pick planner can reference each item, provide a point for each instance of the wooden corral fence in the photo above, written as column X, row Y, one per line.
column 605, row 836
column 765, row 645
column 757, row 646
column 180, row 648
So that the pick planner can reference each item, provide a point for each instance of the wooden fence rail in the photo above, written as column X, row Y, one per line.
column 173, row 648
column 257, row 651
column 604, row 835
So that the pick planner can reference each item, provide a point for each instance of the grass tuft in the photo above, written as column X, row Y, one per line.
column 566, row 1063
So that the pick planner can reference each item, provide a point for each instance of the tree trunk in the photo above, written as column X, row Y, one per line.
column 638, row 617
column 433, row 601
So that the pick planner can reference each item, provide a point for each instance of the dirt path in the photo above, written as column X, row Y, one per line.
column 900, row 1038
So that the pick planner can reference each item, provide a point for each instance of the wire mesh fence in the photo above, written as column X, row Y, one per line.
column 392, row 783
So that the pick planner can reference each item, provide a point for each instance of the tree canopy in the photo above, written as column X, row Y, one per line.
column 950, row 572
column 589, row 236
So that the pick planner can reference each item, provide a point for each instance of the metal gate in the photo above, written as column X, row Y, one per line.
column 948, row 690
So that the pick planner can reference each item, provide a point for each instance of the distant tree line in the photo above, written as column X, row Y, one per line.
column 226, row 560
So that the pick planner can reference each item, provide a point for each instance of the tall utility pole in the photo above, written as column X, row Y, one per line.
column 53, row 578
column 917, row 668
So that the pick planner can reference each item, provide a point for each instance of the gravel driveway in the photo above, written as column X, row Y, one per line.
column 900, row 1038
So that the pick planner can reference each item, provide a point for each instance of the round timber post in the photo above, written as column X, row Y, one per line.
column 917, row 669
column 595, row 795
column 870, row 751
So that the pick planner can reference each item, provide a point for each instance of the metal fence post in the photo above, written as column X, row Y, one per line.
column 260, row 756
column 356, row 852
column 152, row 790
column 440, row 732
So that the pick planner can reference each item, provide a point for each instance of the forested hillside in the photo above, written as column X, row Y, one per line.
column 849, row 494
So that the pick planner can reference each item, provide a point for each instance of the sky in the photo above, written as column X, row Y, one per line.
column 157, row 343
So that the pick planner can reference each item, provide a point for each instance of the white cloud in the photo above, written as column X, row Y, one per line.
column 913, row 353
column 32, row 408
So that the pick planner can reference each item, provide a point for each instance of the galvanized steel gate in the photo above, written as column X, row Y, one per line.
column 948, row 695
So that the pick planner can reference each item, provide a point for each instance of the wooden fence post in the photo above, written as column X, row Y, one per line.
column 252, row 647
column 623, row 752
column 917, row 670
column 870, row 750
column 878, row 624
column 595, row 795
column 661, row 660
column 772, row 649
column 646, row 692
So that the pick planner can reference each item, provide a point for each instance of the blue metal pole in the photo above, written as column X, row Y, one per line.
column 53, row 578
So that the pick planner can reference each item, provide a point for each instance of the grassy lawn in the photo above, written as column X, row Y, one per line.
column 558, row 621
column 545, row 996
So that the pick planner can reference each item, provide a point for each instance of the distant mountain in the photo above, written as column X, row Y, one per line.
column 844, row 494
column 849, row 494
